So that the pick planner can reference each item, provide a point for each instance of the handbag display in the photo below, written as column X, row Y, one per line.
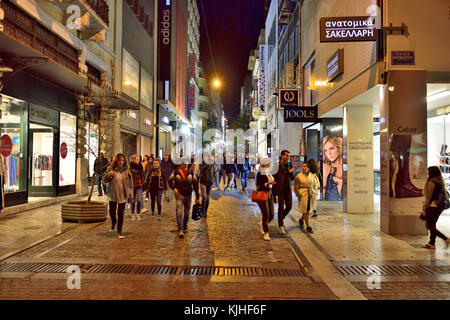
column 260, row 196
column 196, row 212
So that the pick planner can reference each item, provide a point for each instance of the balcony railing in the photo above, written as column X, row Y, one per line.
column 21, row 27
column 101, row 8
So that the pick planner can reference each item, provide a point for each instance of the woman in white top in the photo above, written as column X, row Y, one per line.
column 302, row 186
column 264, row 182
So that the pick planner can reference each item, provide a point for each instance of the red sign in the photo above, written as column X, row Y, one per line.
column 6, row 145
column 63, row 150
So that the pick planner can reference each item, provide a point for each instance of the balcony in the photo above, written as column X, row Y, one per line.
column 94, row 17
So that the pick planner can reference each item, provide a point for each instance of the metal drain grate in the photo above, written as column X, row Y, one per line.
column 154, row 270
column 34, row 267
column 385, row 270
column 240, row 271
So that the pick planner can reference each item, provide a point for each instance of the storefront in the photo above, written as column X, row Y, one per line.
column 39, row 120
column 13, row 126
column 438, row 128
column 129, row 130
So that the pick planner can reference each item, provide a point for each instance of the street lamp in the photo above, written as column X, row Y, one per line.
column 217, row 84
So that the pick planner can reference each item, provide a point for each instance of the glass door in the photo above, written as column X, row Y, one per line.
column 42, row 167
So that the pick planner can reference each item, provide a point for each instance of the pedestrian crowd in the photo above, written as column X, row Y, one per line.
column 151, row 178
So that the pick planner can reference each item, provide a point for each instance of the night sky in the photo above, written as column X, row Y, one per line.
column 234, row 27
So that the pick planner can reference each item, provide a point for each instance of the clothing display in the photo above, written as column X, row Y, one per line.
column 43, row 162
column 11, row 175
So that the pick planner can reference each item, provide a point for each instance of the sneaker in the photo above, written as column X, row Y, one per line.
column 146, row 199
column 133, row 218
column 159, row 217
column 309, row 230
column 121, row 236
column 314, row 215
column 428, row 246
column 301, row 223
column 266, row 236
column 282, row 230
column 144, row 210
column 181, row 235
column 139, row 218
column 111, row 230
column 447, row 242
column 185, row 228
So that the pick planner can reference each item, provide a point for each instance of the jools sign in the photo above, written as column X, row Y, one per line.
column 301, row 114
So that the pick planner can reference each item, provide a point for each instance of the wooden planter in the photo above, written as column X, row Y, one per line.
column 82, row 211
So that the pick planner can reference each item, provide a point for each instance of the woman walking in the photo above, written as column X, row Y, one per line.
column 302, row 186
column 435, row 195
column 137, row 172
column 315, row 185
column 264, row 182
column 120, row 190
column 156, row 182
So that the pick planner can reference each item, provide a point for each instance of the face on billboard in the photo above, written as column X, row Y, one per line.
column 331, row 151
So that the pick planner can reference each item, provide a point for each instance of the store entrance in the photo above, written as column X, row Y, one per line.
column 43, row 161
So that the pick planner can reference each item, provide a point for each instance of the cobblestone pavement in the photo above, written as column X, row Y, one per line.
column 229, row 237
column 407, row 291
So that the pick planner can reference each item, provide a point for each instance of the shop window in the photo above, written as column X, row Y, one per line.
column 13, row 125
column 146, row 89
column 130, row 76
column 67, row 145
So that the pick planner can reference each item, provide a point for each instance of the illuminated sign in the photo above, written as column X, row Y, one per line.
column 343, row 29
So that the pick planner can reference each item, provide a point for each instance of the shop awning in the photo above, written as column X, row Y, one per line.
column 166, row 104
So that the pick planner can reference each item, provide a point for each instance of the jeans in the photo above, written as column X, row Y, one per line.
column 137, row 197
column 156, row 195
column 432, row 216
column 205, row 198
column 217, row 181
column 183, row 206
column 120, row 209
column 99, row 179
column 223, row 175
column 230, row 179
column 244, row 179
column 284, row 206
column 267, row 210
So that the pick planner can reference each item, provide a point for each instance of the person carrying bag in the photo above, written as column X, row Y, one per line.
column 264, row 196
column 436, row 200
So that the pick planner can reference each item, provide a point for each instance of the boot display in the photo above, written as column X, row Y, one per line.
column 404, row 188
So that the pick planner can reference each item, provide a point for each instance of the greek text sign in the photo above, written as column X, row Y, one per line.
column 343, row 29
column 335, row 65
column 300, row 114
column 403, row 58
column 289, row 97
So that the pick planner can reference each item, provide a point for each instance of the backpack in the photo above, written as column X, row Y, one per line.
column 442, row 199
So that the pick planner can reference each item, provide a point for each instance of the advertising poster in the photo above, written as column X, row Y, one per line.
column 332, row 153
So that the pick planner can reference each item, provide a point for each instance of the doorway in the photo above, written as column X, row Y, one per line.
column 43, row 166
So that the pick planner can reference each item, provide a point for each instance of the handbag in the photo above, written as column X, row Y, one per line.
column 260, row 196
column 196, row 212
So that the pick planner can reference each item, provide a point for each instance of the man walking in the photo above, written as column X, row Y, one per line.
column 100, row 165
column 167, row 166
column 244, row 169
column 207, row 177
column 183, row 181
column 283, row 179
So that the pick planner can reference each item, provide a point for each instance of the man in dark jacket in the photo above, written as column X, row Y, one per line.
column 244, row 169
column 231, row 170
column 100, row 165
column 183, row 181
column 207, row 177
column 167, row 166
column 283, row 179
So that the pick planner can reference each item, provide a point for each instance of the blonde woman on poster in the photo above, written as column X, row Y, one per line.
column 332, row 168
